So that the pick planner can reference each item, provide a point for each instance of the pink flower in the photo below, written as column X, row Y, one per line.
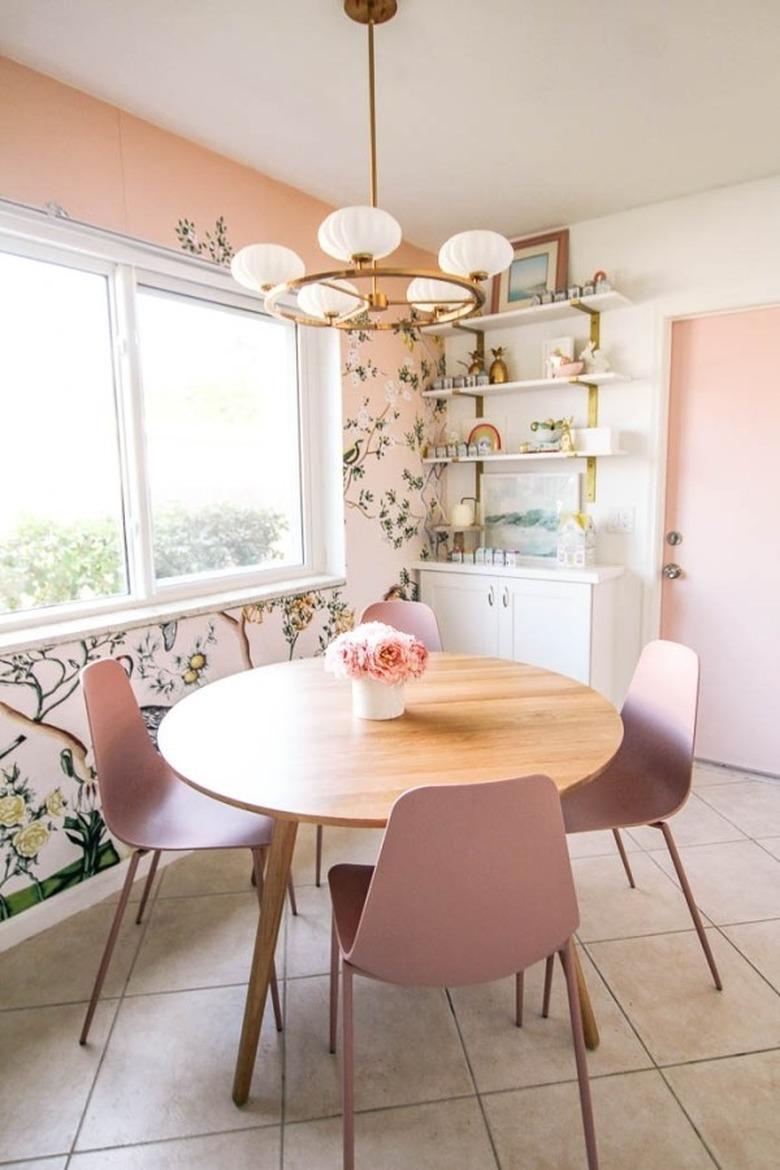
column 376, row 651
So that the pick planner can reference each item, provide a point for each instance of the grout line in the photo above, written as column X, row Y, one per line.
column 456, row 1021
column 161, row 1141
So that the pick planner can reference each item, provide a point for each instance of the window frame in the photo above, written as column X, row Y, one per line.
column 128, row 266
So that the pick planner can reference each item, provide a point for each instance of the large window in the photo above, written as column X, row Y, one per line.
column 154, row 437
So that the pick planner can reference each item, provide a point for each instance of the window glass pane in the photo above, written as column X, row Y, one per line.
column 61, row 530
column 221, row 412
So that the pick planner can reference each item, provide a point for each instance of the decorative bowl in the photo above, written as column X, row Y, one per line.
column 569, row 370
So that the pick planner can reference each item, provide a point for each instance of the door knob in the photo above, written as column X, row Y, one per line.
column 671, row 572
column 674, row 537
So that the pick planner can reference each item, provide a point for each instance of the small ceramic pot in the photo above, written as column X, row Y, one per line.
column 372, row 699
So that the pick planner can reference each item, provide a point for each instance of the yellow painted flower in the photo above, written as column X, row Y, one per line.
column 197, row 661
column 55, row 803
column 29, row 841
column 11, row 810
column 345, row 621
column 190, row 677
column 254, row 613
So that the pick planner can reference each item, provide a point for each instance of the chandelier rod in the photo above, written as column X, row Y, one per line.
column 372, row 110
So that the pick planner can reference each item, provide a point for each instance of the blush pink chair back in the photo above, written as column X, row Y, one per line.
column 132, row 776
column 650, row 777
column 473, row 882
column 411, row 617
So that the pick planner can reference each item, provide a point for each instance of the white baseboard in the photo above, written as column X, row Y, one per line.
column 87, row 893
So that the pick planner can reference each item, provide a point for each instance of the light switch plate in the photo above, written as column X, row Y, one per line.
column 621, row 520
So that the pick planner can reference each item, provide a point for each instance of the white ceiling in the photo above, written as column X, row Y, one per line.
column 511, row 114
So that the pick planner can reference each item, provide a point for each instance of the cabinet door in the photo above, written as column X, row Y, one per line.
column 466, row 608
column 546, row 623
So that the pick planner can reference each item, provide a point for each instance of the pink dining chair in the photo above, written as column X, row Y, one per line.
column 411, row 617
column 149, row 808
column 650, row 777
column 473, row 883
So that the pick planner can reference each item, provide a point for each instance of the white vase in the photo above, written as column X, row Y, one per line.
column 377, row 700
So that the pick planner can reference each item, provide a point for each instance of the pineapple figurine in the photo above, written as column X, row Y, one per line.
column 498, row 368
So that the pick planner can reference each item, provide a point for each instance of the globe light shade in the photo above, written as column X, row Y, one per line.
column 367, row 233
column 261, row 266
column 337, row 298
column 477, row 253
column 428, row 294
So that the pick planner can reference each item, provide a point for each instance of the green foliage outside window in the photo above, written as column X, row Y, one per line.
column 47, row 562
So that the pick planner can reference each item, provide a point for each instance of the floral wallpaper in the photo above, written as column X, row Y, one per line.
column 52, row 834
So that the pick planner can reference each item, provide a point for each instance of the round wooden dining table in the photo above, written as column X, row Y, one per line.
column 282, row 740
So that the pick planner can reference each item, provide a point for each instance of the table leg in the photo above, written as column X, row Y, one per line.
column 271, row 907
column 589, row 1025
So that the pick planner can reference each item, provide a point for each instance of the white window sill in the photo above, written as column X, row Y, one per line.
column 129, row 617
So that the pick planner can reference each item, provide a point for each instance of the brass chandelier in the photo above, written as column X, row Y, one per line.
column 361, row 296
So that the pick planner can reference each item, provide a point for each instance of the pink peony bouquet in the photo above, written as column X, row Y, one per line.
column 376, row 651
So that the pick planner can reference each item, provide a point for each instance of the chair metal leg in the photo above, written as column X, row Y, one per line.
column 291, row 896
column 148, row 887
column 334, row 983
column 549, row 968
column 567, row 960
column 682, row 877
column 347, row 1070
column 318, row 858
column 258, row 866
column 624, row 857
column 519, row 998
column 108, row 950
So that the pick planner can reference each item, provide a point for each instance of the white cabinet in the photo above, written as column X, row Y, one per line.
column 562, row 621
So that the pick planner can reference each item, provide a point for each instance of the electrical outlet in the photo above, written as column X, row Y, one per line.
column 621, row 520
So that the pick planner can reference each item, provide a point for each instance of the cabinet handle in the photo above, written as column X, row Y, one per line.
column 505, row 597
column 491, row 596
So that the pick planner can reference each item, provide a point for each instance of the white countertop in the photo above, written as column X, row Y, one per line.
column 528, row 569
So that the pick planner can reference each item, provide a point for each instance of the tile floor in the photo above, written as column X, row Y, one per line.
column 685, row 1077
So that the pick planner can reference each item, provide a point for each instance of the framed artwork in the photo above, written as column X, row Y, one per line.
column 523, row 511
column 540, row 264
column 556, row 345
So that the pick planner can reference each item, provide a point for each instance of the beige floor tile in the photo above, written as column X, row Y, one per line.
column 407, row 1049
column 706, row 774
column 197, row 942
column 609, row 908
column 638, row 1125
column 664, row 985
column 503, row 1056
column 448, row 1135
column 759, row 942
column 357, row 846
column 598, row 844
column 208, row 871
column 734, row 882
column 753, row 806
column 256, row 1149
column 695, row 824
column 308, row 933
column 60, row 964
column 746, row 1134
column 45, row 1077
column 138, row 885
column 772, row 845
column 169, row 1068
column 38, row 1164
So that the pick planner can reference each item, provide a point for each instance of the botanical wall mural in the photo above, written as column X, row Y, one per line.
column 52, row 834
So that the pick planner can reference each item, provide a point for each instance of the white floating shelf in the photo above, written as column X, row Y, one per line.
column 457, row 527
column 520, row 456
column 498, row 389
column 533, row 315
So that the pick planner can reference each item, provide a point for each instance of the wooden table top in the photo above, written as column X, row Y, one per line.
column 282, row 739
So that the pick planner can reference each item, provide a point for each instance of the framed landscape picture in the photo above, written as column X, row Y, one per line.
column 523, row 511
column 540, row 264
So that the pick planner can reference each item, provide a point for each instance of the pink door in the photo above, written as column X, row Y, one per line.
column 723, row 499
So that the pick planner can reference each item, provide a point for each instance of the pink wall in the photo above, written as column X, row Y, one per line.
column 109, row 168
